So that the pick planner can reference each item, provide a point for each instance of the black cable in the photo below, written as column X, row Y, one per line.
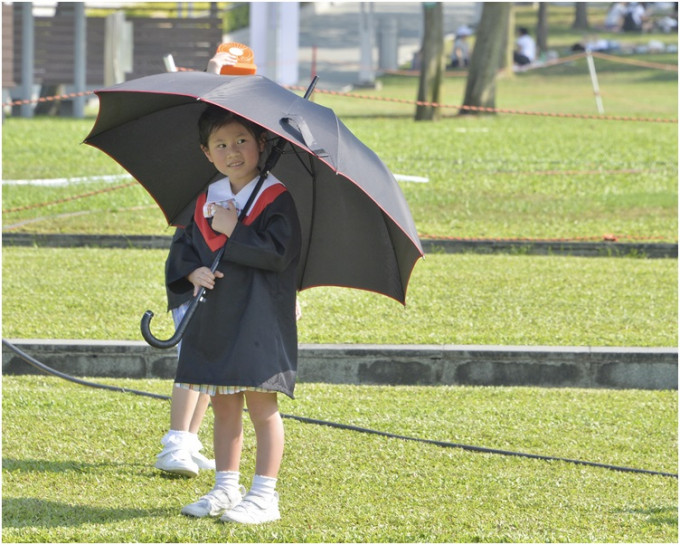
column 41, row 366
column 45, row 369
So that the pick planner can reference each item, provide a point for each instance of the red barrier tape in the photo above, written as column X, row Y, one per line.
column 492, row 110
column 66, row 199
column 414, row 103
column 606, row 237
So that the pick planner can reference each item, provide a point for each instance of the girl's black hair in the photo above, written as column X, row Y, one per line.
column 214, row 117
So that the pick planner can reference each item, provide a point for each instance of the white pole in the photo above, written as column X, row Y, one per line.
column 593, row 78
column 366, row 72
column 287, row 42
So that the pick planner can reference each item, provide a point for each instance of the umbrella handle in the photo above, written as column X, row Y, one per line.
column 177, row 336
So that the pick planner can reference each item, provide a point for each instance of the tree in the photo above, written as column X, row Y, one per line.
column 432, row 61
column 490, row 47
column 542, row 28
column 580, row 16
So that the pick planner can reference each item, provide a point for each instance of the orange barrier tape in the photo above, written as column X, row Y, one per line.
column 67, row 199
column 646, row 64
column 424, row 103
column 67, row 96
column 609, row 237
column 492, row 110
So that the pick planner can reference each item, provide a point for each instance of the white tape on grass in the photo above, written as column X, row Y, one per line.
column 67, row 181
column 407, row 178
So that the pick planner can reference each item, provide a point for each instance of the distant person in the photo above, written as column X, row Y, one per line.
column 635, row 18
column 614, row 19
column 593, row 43
column 460, row 56
column 525, row 48
column 669, row 23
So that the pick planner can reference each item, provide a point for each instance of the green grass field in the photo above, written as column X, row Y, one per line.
column 90, row 478
column 452, row 299
column 491, row 176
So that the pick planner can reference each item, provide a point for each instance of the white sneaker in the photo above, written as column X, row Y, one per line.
column 254, row 510
column 201, row 461
column 215, row 502
column 178, row 462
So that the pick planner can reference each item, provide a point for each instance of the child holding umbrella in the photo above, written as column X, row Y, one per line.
column 241, row 347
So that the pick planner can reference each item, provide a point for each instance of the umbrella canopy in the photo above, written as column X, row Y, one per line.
column 356, row 226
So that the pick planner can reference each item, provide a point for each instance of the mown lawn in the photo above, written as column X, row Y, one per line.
column 78, row 466
column 79, row 293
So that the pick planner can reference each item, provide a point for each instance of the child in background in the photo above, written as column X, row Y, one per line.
column 241, row 345
column 181, row 453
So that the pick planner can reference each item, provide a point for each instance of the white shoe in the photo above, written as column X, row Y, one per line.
column 201, row 461
column 254, row 510
column 215, row 502
column 178, row 462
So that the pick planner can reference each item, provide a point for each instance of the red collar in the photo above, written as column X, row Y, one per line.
column 216, row 240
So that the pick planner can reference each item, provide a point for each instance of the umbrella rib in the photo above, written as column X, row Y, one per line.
column 300, row 158
column 312, row 173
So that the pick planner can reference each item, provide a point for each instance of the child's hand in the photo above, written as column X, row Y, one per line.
column 225, row 218
column 203, row 278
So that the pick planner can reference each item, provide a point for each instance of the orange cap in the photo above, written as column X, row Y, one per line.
column 244, row 65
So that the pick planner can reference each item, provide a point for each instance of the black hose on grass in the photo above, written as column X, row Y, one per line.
column 45, row 369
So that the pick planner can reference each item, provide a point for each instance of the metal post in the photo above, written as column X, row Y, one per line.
column 366, row 35
column 388, row 44
column 27, row 60
column 80, row 59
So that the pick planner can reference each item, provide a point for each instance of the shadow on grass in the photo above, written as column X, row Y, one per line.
column 659, row 516
column 63, row 466
column 55, row 466
column 30, row 511
column 36, row 512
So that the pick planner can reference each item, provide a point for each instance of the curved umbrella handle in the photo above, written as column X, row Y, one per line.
column 177, row 336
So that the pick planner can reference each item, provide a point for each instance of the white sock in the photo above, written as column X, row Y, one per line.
column 180, row 439
column 227, row 479
column 263, row 486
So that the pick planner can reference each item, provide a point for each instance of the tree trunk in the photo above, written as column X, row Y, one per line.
column 542, row 28
column 580, row 16
column 432, row 63
column 490, row 46
column 507, row 58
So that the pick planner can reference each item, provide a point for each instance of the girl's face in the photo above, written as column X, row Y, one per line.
column 235, row 152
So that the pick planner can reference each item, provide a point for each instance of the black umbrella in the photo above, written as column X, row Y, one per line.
column 357, row 230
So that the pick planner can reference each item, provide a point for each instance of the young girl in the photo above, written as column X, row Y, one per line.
column 241, row 345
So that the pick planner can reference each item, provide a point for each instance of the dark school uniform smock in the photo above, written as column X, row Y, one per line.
column 244, row 333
